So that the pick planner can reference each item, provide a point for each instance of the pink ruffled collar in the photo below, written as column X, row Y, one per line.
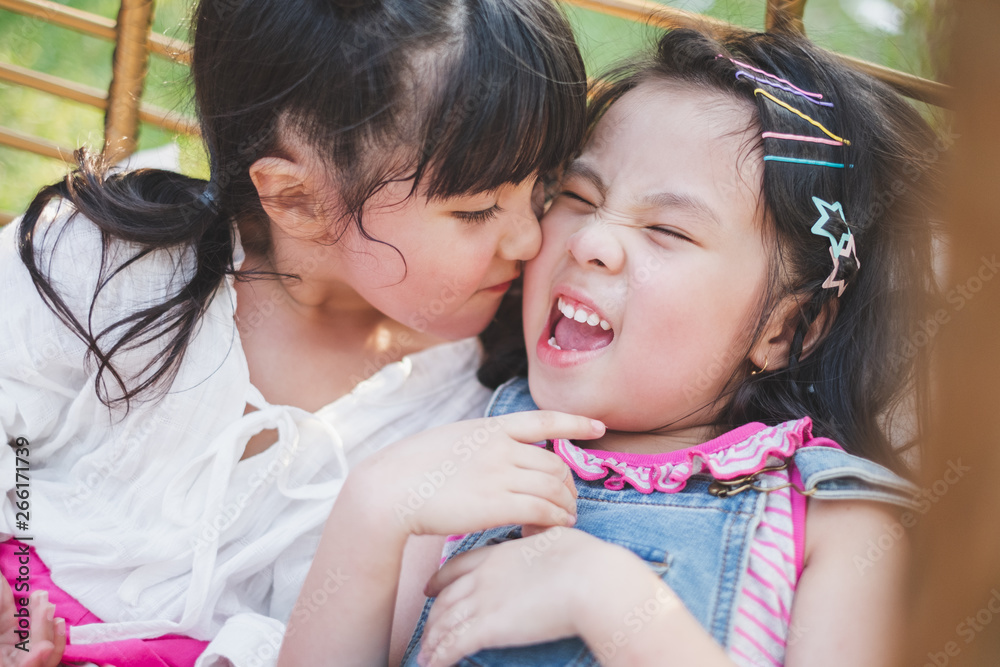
column 742, row 451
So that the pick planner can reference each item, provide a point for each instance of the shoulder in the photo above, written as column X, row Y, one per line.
column 828, row 472
column 862, row 531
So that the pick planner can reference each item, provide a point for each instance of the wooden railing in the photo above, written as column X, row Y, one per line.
column 131, row 32
column 122, row 102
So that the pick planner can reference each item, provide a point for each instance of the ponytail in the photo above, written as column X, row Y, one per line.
column 154, row 210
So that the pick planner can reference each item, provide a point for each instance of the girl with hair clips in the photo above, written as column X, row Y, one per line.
column 721, row 285
column 190, row 369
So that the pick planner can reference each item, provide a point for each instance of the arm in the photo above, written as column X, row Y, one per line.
column 845, row 613
column 436, row 483
column 522, row 592
column 529, row 591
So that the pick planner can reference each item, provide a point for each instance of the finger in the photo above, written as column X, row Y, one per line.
column 544, row 486
column 462, row 641
column 457, row 567
column 445, row 634
column 547, row 425
column 42, row 615
column 39, row 655
column 528, row 530
column 6, row 597
column 536, row 458
column 60, row 643
column 523, row 508
column 451, row 609
column 531, row 458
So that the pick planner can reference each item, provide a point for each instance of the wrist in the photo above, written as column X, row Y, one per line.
column 366, row 500
column 620, row 603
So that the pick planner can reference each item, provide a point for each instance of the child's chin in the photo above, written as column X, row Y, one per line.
column 570, row 396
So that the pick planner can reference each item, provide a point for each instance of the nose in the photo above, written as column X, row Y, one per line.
column 522, row 235
column 595, row 245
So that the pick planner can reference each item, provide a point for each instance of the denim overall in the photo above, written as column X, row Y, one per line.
column 696, row 541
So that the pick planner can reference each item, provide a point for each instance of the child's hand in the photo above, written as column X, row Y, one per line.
column 47, row 635
column 475, row 475
column 520, row 592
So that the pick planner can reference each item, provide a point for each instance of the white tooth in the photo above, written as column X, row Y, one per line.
column 560, row 304
column 605, row 325
column 580, row 316
column 567, row 311
column 552, row 343
column 593, row 320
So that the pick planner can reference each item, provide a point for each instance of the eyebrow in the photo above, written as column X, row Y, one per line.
column 586, row 172
column 676, row 200
column 660, row 200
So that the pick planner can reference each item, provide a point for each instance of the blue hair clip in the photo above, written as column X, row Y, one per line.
column 845, row 246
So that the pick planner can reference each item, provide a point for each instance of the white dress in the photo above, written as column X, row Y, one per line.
column 150, row 519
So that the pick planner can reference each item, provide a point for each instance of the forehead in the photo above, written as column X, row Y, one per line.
column 682, row 138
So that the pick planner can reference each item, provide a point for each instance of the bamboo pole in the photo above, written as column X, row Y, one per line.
column 792, row 10
column 131, row 60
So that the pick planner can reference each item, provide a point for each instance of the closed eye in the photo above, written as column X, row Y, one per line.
column 669, row 232
column 477, row 217
column 573, row 195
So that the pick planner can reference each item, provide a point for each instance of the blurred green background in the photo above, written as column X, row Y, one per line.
column 889, row 32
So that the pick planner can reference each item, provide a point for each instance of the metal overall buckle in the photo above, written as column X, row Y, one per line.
column 725, row 488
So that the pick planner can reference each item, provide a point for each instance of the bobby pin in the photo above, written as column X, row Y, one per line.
column 798, row 160
column 800, row 114
column 776, row 78
column 786, row 88
column 801, row 137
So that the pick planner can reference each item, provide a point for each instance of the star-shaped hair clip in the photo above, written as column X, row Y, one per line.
column 845, row 246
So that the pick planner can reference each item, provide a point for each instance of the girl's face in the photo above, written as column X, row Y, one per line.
column 461, row 255
column 655, row 242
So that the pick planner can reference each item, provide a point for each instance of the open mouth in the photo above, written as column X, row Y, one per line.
column 576, row 327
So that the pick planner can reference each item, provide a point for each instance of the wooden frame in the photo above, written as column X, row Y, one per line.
column 134, row 42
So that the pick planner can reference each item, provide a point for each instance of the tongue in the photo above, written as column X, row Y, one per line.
column 573, row 335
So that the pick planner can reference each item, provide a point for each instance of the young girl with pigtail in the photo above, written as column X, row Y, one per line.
column 720, row 284
column 189, row 369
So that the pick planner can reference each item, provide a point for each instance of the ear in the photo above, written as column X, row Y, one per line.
column 288, row 192
column 776, row 341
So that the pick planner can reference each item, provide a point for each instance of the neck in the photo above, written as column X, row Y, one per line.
column 657, row 442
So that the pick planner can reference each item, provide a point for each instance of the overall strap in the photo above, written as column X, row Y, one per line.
column 831, row 473
column 512, row 396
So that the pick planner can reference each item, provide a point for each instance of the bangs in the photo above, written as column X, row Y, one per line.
column 504, row 118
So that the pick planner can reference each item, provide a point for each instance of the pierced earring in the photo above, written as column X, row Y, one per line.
column 761, row 369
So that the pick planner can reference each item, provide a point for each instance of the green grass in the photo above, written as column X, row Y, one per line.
column 604, row 40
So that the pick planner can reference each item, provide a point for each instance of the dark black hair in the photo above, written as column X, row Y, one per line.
column 461, row 95
column 866, row 365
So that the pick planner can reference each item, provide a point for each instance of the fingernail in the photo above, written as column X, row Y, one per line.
column 570, row 519
column 50, row 613
column 60, row 626
column 598, row 425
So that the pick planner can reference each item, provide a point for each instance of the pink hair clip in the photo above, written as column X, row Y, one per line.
column 845, row 246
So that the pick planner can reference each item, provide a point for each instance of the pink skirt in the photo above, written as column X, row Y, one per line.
column 169, row 651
